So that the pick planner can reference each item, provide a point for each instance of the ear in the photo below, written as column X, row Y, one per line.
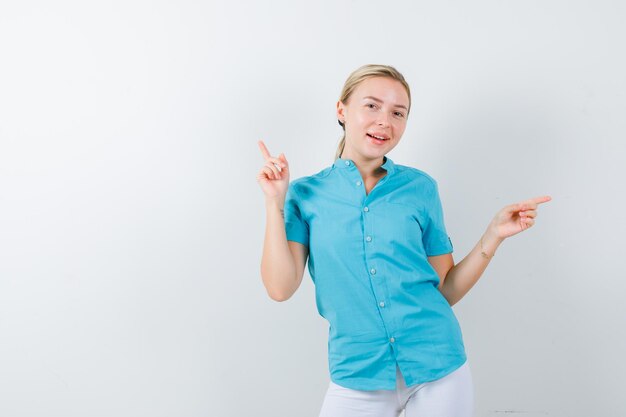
column 340, row 111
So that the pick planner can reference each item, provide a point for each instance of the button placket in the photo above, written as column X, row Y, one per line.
column 378, row 286
column 368, row 239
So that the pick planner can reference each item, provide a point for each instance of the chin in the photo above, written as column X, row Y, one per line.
column 374, row 154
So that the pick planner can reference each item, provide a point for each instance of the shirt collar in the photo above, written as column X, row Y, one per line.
column 388, row 164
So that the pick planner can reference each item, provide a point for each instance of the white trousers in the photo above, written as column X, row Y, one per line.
column 450, row 396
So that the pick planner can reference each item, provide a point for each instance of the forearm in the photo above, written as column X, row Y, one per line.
column 278, row 268
column 462, row 276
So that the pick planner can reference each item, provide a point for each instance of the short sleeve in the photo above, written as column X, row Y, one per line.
column 434, row 237
column 296, row 227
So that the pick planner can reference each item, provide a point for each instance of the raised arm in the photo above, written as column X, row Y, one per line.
column 282, row 262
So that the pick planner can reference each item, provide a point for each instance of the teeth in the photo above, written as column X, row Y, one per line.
column 374, row 136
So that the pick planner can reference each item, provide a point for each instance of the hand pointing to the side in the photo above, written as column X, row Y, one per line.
column 516, row 218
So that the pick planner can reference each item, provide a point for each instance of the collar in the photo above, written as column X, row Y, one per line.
column 388, row 164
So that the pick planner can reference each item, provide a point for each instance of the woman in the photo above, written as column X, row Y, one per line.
column 378, row 252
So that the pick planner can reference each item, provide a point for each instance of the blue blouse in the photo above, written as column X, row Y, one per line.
column 373, row 282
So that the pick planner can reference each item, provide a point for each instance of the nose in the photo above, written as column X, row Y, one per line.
column 383, row 119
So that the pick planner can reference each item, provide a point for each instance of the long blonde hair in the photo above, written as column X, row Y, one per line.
column 361, row 74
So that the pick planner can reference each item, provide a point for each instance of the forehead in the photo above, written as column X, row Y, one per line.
column 387, row 89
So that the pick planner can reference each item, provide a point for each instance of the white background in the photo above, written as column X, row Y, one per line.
column 131, row 223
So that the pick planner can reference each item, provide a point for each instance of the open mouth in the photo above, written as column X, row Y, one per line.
column 378, row 139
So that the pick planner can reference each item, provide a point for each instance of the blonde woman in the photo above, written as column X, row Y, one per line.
column 381, row 260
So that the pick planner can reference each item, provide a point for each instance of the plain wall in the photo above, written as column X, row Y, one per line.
column 132, row 225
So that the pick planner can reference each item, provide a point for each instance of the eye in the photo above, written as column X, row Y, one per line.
column 399, row 114
column 370, row 104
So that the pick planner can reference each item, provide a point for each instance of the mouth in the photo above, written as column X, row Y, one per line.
column 378, row 139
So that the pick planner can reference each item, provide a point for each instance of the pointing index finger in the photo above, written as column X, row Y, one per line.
column 264, row 151
column 532, row 203
column 542, row 199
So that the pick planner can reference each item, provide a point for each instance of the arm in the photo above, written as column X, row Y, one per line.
column 282, row 264
column 457, row 280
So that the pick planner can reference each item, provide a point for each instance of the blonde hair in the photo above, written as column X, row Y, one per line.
column 361, row 74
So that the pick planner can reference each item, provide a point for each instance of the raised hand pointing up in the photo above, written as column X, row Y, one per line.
column 274, row 175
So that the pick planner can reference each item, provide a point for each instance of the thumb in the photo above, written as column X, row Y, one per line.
column 514, row 207
column 282, row 158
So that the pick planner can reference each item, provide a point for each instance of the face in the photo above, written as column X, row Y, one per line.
column 377, row 107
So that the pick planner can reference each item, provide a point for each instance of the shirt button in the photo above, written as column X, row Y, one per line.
column 347, row 162
column 373, row 271
column 382, row 304
column 369, row 238
column 392, row 340
column 358, row 183
column 366, row 209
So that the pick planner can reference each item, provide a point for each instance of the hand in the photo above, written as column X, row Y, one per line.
column 273, row 180
column 516, row 218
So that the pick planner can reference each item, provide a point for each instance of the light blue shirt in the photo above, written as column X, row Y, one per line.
column 373, row 282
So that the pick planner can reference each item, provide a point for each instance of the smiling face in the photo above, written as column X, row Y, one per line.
column 377, row 107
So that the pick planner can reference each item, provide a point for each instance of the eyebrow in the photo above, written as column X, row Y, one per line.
column 380, row 101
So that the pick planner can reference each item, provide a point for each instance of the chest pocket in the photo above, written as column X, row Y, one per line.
column 401, row 225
